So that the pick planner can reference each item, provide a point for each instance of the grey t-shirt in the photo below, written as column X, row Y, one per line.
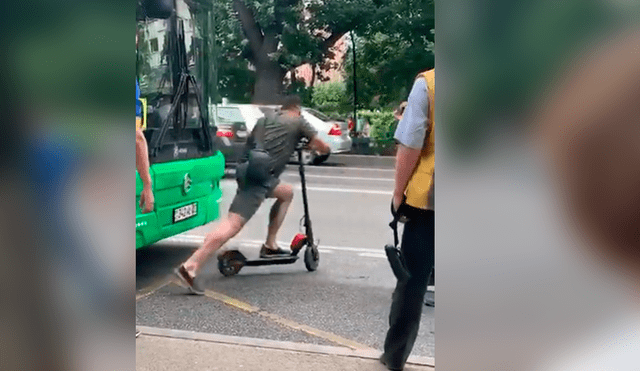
column 281, row 135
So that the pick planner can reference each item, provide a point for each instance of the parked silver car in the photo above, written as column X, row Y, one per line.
column 334, row 133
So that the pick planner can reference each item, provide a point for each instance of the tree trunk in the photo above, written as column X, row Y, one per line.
column 313, row 75
column 269, row 82
column 263, row 41
column 269, row 74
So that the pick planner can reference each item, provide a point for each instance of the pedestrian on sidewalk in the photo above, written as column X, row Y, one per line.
column 413, row 198
column 351, row 124
column 269, row 147
column 142, row 155
column 399, row 111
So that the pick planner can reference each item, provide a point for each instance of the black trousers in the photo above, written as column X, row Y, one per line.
column 418, row 250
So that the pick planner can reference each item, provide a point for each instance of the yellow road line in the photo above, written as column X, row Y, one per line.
column 154, row 287
column 231, row 301
column 285, row 322
column 315, row 332
column 246, row 307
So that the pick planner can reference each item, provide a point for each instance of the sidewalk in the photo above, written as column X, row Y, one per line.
column 164, row 350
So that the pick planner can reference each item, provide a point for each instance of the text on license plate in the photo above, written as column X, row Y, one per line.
column 185, row 212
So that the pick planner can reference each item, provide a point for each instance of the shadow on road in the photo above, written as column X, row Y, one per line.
column 158, row 260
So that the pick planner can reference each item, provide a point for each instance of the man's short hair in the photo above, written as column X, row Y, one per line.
column 291, row 101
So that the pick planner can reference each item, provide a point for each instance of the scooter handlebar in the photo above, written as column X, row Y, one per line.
column 302, row 144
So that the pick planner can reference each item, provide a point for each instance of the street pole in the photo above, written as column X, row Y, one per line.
column 355, row 91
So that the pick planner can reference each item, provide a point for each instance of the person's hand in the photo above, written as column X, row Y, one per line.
column 318, row 145
column 397, row 200
column 146, row 200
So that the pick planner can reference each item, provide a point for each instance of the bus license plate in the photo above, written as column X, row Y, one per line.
column 185, row 212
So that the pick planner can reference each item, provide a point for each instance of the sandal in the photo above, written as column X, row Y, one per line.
column 266, row 252
column 187, row 280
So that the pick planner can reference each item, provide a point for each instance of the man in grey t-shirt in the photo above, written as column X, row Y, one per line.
column 283, row 130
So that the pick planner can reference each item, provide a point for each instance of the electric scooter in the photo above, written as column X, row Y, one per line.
column 232, row 261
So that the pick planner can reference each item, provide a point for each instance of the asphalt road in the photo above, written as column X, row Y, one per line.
column 345, row 302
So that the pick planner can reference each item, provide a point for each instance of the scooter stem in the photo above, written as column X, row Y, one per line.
column 307, row 219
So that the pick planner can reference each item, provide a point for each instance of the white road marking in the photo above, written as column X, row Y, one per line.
column 342, row 168
column 229, row 184
column 369, row 255
column 342, row 177
column 257, row 243
column 348, row 190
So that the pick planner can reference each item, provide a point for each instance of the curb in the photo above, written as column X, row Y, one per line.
column 274, row 344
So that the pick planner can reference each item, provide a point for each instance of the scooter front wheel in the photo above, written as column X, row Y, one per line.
column 311, row 257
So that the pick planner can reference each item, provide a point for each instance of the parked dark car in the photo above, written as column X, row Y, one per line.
column 232, row 132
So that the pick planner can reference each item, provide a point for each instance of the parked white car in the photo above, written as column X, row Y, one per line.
column 334, row 133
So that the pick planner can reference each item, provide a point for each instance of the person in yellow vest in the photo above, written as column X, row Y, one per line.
column 413, row 198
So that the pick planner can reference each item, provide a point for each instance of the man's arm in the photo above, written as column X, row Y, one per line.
column 410, row 134
column 319, row 145
column 142, row 165
column 406, row 161
column 315, row 143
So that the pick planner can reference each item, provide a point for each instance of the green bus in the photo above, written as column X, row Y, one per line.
column 186, row 165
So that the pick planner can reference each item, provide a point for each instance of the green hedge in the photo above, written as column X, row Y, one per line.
column 331, row 98
column 383, row 126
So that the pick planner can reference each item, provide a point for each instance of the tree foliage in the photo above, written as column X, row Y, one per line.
column 395, row 46
column 254, row 43
column 276, row 36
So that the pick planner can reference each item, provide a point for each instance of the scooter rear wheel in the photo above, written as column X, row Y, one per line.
column 311, row 257
column 230, row 263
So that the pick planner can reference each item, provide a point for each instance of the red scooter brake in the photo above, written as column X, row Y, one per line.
column 298, row 243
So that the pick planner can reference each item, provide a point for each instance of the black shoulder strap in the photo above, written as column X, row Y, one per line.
column 394, row 225
column 259, row 132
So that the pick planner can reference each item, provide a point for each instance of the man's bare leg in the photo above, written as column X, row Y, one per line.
column 284, row 195
column 214, row 240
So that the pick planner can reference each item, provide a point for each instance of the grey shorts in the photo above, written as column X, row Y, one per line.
column 249, row 198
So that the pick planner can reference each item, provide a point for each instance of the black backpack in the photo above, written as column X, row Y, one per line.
column 258, row 169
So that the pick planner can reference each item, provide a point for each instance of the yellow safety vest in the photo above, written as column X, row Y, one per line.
column 417, row 191
column 141, row 122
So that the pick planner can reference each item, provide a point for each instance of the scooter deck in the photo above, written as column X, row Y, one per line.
column 272, row 261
